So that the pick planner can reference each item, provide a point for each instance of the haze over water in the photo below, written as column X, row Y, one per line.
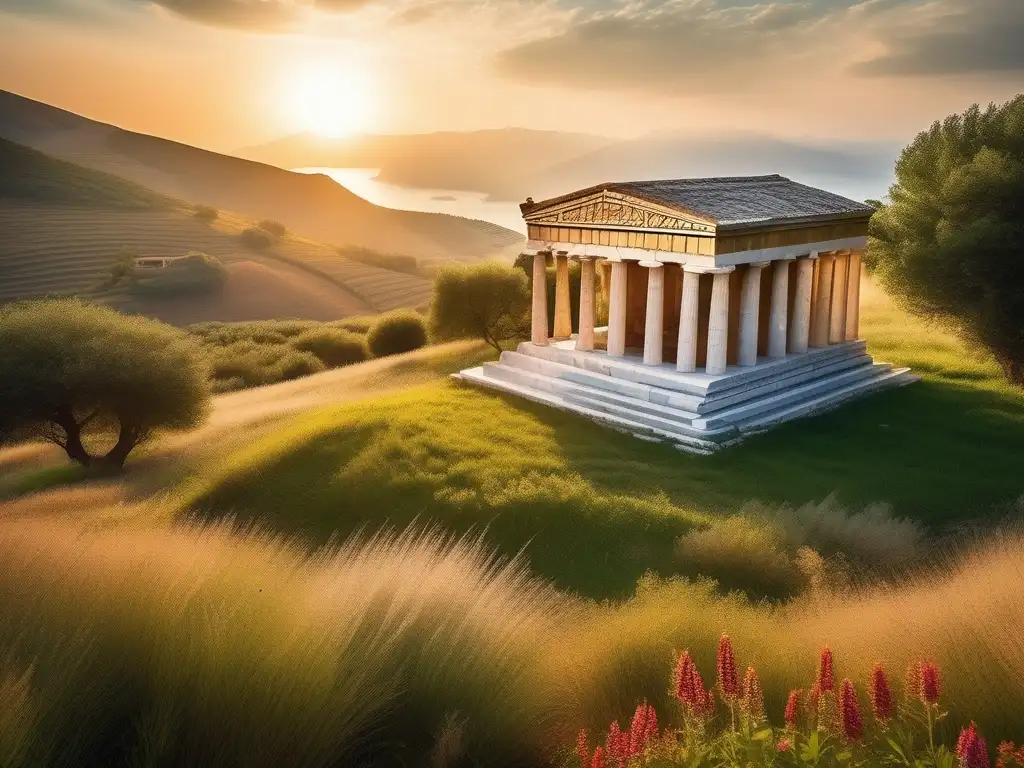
column 469, row 204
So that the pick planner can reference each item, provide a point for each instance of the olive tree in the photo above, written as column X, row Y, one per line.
column 83, row 376
column 488, row 301
column 949, row 245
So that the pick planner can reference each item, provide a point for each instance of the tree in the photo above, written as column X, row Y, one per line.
column 950, row 244
column 488, row 301
column 79, row 375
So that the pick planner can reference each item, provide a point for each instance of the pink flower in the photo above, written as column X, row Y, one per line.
column 930, row 683
column 728, row 674
column 752, row 702
column 966, row 735
column 643, row 729
column 849, row 713
column 583, row 748
column 784, row 745
column 616, row 745
column 684, row 678
column 826, row 673
column 880, row 694
column 793, row 709
column 598, row 760
column 972, row 749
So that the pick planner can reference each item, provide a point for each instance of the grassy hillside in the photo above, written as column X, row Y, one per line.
column 313, row 205
column 33, row 176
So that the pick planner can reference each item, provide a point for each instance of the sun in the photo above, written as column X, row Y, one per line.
column 330, row 100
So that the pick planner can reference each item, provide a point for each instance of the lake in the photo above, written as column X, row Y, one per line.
column 457, row 202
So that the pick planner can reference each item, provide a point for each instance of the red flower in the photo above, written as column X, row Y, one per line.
column 793, row 709
column 930, row 683
column 880, row 694
column 684, row 678
column 826, row 674
column 972, row 749
column 598, row 759
column 616, row 746
column 643, row 729
column 728, row 674
column 784, row 745
column 752, row 702
column 849, row 713
column 706, row 707
column 583, row 748
column 913, row 683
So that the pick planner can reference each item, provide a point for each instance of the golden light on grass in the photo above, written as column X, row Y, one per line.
column 329, row 99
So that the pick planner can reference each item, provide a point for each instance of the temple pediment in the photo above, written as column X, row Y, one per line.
column 615, row 210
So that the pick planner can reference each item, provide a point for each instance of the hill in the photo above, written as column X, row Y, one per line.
column 65, row 226
column 311, row 204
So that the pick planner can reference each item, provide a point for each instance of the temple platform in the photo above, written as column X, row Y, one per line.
column 697, row 412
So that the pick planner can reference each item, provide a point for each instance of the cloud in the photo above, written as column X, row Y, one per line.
column 679, row 47
column 256, row 15
column 986, row 36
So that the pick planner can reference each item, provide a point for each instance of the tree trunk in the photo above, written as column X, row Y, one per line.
column 1013, row 370
column 127, row 439
column 72, row 438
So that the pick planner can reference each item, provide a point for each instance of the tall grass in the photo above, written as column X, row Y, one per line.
column 197, row 646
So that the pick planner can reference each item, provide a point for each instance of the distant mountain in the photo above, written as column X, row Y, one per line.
column 313, row 205
column 472, row 160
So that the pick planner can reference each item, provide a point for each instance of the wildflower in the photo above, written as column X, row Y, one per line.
column 930, row 683
column 684, row 678
column 752, row 703
column 643, row 729
column 784, row 745
column 793, row 709
column 616, row 745
column 583, row 748
column 913, row 681
column 849, row 710
column 728, row 674
column 598, row 760
column 706, row 707
column 880, row 694
column 972, row 749
column 826, row 674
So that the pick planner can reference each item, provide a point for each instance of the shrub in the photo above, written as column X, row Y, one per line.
column 71, row 370
column 275, row 228
column 296, row 365
column 402, row 330
column 333, row 346
column 206, row 213
column 197, row 273
column 948, row 247
column 256, row 238
column 355, row 324
column 486, row 301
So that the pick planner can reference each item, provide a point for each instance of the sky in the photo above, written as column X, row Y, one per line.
column 224, row 74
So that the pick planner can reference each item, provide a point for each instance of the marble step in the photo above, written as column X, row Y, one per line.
column 587, row 377
column 700, row 384
column 685, row 442
column 775, row 400
column 502, row 370
column 889, row 379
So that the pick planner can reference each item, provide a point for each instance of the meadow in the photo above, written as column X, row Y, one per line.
column 206, row 598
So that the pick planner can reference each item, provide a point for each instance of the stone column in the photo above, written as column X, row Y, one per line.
column 539, row 334
column 718, row 323
column 617, row 311
column 853, row 297
column 686, row 359
column 750, row 301
column 778, row 317
column 654, row 327
column 563, row 310
column 821, row 310
column 800, row 327
column 837, row 321
column 585, row 340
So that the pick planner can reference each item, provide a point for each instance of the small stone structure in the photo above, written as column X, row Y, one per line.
column 733, row 305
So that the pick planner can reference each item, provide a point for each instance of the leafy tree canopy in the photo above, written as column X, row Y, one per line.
column 950, row 244
column 75, row 373
column 488, row 301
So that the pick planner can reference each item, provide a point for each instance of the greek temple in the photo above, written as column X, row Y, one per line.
column 732, row 304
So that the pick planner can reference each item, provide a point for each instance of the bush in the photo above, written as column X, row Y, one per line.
column 334, row 347
column 402, row 330
column 73, row 370
column 256, row 238
column 948, row 247
column 206, row 213
column 274, row 228
column 296, row 365
column 396, row 262
column 355, row 324
column 488, row 301
column 197, row 273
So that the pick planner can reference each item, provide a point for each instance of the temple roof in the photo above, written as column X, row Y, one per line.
column 736, row 201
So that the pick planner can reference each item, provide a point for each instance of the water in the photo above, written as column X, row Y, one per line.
column 458, row 202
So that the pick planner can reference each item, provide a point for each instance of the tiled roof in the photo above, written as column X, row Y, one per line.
column 736, row 201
